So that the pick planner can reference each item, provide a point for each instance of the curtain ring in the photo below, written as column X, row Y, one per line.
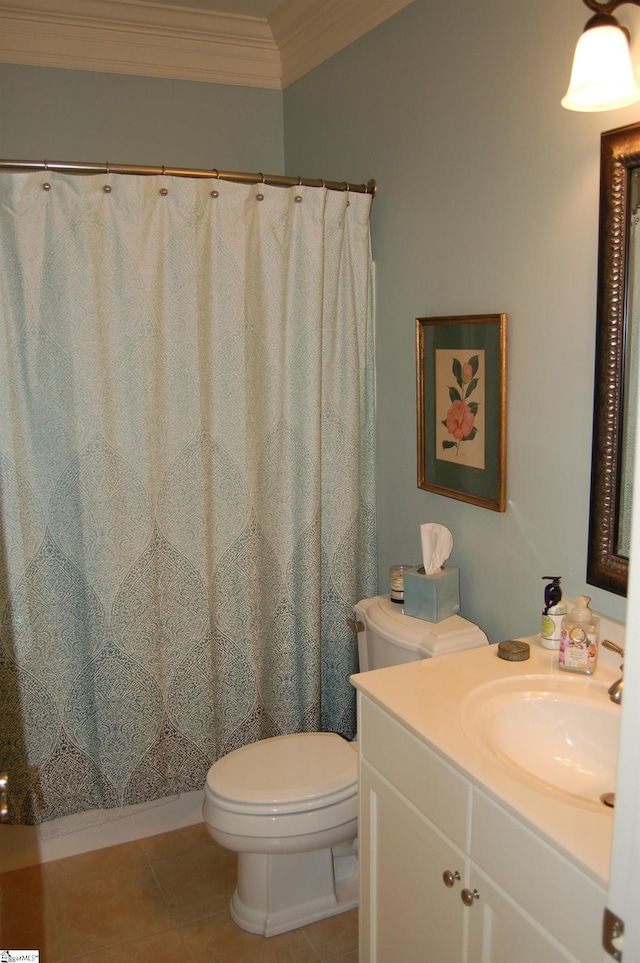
column 300, row 180
column 163, row 170
column 46, row 165
column 107, row 168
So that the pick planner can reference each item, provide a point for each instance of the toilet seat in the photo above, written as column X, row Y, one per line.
column 285, row 775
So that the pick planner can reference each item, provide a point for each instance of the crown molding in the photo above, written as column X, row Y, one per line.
column 144, row 38
column 135, row 37
column 308, row 32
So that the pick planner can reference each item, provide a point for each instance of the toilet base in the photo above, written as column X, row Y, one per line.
column 278, row 892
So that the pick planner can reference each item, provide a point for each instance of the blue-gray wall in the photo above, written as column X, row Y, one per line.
column 52, row 114
column 487, row 202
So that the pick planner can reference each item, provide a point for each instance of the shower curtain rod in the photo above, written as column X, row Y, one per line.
column 274, row 180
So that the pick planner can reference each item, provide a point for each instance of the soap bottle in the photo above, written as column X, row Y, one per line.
column 555, row 608
column 579, row 638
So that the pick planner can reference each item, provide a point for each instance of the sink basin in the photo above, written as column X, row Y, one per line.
column 559, row 734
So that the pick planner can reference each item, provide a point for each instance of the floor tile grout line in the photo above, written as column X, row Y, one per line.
column 205, row 914
column 57, row 922
column 124, row 943
column 160, row 888
column 313, row 949
column 160, row 927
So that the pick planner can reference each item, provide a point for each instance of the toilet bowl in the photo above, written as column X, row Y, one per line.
column 288, row 805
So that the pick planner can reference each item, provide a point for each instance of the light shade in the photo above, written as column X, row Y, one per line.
column 602, row 77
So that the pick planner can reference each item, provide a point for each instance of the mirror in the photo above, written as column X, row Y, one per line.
column 616, row 368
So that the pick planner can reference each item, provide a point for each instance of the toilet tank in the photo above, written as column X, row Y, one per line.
column 386, row 636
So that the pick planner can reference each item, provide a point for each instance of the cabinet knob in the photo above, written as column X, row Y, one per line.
column 450, row 878
column 467, row 896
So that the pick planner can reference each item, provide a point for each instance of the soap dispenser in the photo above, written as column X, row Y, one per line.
column 555, row 608
column 579, row 638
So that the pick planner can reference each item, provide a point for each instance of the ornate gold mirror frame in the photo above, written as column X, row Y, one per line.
column 614, row 404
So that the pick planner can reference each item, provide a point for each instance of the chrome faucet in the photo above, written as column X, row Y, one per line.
column 615, row 690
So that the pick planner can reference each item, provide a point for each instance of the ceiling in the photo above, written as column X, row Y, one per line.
column 257, row 43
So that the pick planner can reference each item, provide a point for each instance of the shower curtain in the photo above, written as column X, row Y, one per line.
column 186, row 477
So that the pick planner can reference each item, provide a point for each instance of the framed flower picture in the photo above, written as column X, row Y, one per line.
column 461, row 391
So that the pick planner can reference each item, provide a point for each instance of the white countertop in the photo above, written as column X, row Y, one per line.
column 426, row 697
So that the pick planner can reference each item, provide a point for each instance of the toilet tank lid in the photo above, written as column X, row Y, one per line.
column 289, row 773
column 430, row 639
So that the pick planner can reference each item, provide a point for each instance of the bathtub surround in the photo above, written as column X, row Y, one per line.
column 87, row 831
column 186, row 470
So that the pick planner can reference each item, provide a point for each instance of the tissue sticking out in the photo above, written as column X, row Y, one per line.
column 437, row 543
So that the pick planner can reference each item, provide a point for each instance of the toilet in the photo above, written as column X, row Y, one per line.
column 288, row 805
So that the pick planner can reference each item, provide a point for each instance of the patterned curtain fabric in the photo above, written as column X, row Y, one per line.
column 186, row 477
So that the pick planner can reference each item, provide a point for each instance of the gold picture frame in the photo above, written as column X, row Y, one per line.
column 461, row 407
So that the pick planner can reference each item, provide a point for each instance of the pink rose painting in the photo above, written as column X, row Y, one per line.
column 459, row 422
column 460, row 407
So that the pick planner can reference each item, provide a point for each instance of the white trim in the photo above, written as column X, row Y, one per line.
column 22, row 846
column 144, row 38
column 625, row 852
column 308, row 32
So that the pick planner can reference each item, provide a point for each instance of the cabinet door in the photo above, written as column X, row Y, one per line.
column 407, row 912
column 501, row 932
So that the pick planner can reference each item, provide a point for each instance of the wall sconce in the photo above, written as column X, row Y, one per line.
column 602, row 77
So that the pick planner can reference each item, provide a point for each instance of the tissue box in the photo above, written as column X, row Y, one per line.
column 432, row 597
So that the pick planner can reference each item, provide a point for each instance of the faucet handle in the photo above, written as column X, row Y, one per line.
column 613, row 646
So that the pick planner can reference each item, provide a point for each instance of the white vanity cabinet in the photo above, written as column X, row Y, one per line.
column 406, row 912
column 450, row 876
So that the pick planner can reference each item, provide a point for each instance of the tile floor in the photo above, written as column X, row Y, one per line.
column 155, row 900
